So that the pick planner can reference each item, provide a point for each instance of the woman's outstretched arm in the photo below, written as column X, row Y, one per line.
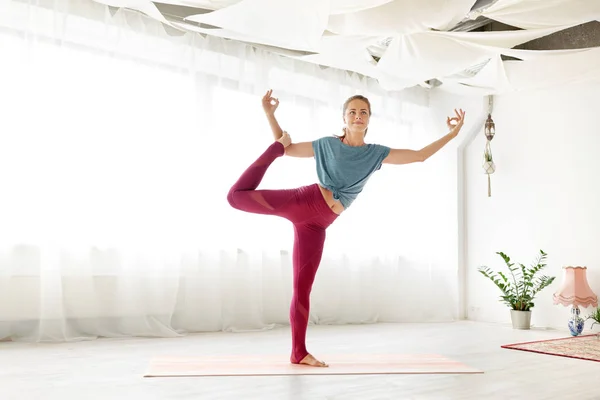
column 270, row 104
column 302, row 149
column 404, row 156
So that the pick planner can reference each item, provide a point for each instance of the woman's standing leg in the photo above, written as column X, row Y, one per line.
column 308, row 249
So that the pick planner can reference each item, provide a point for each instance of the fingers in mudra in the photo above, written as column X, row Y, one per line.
column 455, row 121
column 267, row 95
column 452, row 122
column 270, row 102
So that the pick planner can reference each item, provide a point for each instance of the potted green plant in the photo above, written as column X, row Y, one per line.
column 487, row 156
column 488, row 162
column 520, row 287
column 595, row 316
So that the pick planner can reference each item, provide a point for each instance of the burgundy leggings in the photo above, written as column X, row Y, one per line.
column 310, row 215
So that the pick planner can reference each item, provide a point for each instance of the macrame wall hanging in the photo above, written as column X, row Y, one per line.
column 488, row 161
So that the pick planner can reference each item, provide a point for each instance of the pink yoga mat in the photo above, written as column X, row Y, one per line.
column 279, row 365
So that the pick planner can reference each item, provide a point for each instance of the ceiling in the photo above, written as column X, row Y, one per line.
column 462, row 46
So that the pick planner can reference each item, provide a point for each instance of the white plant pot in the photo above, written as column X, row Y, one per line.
column 520, row 319
column 489, row 167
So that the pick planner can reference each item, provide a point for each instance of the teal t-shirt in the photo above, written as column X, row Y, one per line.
column 346, row 169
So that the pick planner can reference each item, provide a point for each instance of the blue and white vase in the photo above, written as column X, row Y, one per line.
column 576, row 323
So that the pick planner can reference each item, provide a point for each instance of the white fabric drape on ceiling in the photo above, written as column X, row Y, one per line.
column 534, row 14
column 118, row 143
column 348, row 34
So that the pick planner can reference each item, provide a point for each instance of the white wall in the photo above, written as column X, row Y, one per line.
column 450, row 162
column 545, row 195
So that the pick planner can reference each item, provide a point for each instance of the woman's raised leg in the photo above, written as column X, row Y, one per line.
column 243, row 194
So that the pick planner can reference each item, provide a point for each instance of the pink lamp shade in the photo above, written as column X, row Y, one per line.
column 575, row 289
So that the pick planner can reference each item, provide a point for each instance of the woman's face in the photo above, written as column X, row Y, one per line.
column 356, row 116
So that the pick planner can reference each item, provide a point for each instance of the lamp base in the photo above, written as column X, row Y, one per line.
column 576, row 323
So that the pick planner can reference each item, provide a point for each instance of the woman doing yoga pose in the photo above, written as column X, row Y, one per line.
column 344, row 164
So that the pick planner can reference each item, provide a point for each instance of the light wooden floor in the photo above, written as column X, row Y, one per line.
column 113, row 369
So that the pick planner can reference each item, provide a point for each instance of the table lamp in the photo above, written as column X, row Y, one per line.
column 575, row 291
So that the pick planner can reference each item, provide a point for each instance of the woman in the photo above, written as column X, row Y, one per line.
column 344, row 165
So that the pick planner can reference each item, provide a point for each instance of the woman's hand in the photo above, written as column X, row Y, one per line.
column 456, row 123
column 285, row 139
column 269, row 103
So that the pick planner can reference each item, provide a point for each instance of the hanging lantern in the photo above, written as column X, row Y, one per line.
column 490, row 128
column 488, row 161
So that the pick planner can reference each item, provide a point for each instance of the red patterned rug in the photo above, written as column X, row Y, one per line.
column 586, row 347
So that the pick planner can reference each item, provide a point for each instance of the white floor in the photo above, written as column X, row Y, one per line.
column 113, row 369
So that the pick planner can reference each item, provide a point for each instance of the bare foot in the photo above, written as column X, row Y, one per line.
column 313, row 362
column 285, row 139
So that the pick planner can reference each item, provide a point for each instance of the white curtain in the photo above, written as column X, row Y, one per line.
column 119, row 139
